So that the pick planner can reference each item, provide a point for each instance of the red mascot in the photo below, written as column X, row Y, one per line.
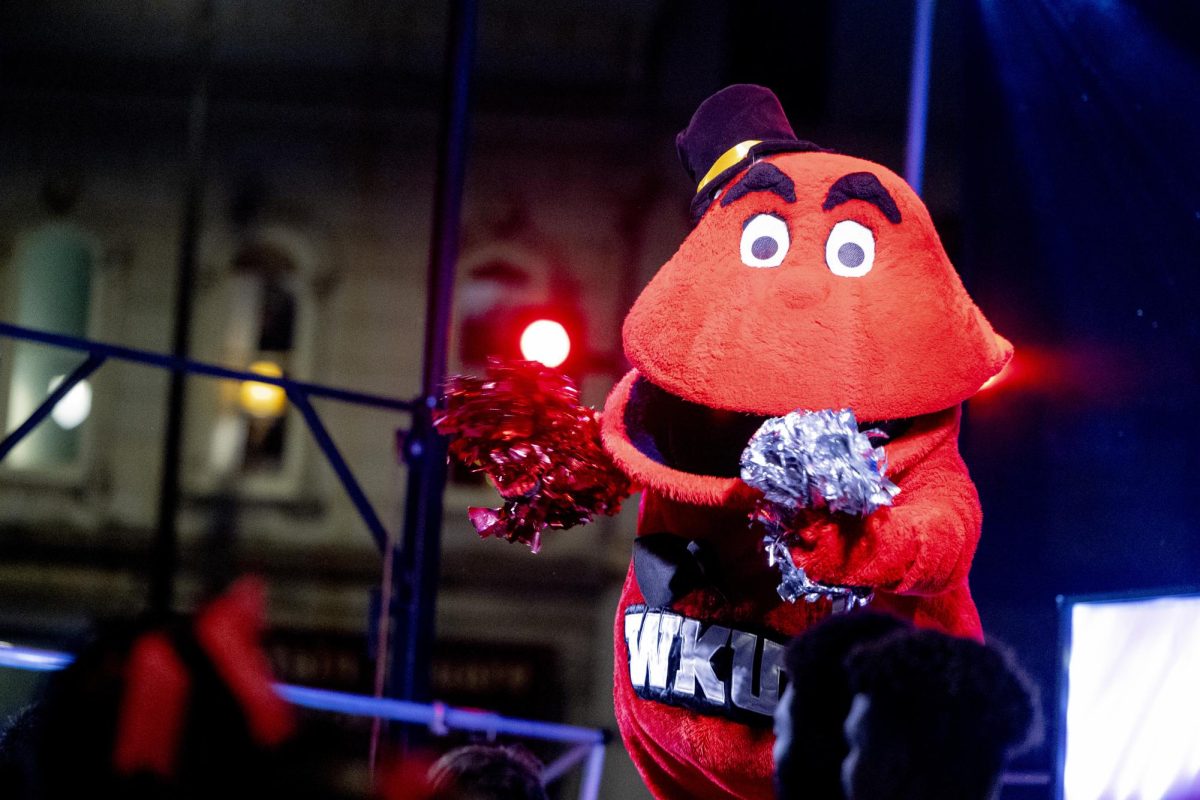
column 791, row 420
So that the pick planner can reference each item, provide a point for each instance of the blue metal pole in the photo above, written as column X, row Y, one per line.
column 565, row 763
column 592, row 773
column 344, row 473
column 191, row 366
column 453, row 718
column 918, row 95
column 411, row 647
column 32, row 659
column 90, row 365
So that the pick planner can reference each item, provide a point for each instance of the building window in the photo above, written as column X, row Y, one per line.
column 267, row 303
column 271, row 275
column 50, row 281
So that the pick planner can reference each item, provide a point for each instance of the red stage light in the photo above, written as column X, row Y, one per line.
column 546, row 341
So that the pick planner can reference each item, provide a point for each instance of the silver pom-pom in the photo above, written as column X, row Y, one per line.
column 796, row 584
column 818, row 460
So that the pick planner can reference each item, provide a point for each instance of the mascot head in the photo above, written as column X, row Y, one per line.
column 811, row 280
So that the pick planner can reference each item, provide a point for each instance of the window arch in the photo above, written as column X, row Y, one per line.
column 51, row 284
column 262, row 311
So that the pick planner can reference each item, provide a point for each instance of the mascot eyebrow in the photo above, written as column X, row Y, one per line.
column 862, row 186
column 762, row 177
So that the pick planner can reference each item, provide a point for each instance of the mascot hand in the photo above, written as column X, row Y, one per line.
column 922, row 545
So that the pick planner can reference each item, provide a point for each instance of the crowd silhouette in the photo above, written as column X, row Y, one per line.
column 874, row 709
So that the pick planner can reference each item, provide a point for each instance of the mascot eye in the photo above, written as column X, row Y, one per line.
column 764, row 241
column 850, row 249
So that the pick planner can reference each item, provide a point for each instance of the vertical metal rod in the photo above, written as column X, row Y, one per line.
column 918, row 95
column 415, row 581
column 593, row 771
column 164, row 551
column 563, row 764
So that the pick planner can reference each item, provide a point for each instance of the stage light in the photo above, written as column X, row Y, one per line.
column 73, row 409
column 546, row 341
column 263, row 400
column 1129, row 716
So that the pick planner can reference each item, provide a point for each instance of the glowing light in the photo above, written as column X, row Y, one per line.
column 1134, row 700
column 27, row 658
column 546, row 341
column 263, row 399
column 73, row 409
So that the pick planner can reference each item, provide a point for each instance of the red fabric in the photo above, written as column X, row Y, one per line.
column 407, row 778
column 916, row 554
column 153, row 709
column 229, row 630
column 904, row 341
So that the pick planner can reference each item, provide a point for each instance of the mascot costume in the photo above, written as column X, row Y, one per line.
column 791, row 420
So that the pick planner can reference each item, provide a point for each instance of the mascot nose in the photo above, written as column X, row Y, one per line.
column 801, row 295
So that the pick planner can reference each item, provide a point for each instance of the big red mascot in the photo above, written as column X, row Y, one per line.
column 791, row 420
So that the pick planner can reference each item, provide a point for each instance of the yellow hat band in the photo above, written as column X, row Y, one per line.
column 730, row 157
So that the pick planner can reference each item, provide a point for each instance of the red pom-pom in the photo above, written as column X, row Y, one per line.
column 523, row 426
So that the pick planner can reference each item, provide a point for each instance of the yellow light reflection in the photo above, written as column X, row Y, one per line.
column 263, row 400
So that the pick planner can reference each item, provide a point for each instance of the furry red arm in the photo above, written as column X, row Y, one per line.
column 922, row 545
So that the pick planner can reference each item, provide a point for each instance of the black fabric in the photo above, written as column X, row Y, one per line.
column 739, row 113
column 702, row 200
column 667, row 567
column 862, row 186
column 762, row 177
column 735, row 114
column 687, row 436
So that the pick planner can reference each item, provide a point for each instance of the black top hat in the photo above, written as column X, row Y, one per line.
column 733, row 127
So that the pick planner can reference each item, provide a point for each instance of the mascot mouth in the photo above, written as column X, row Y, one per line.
column 689, row 450
column 695, row 438
column 687, row 436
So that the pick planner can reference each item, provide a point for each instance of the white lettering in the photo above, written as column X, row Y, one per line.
column 742, row 691
column 695, row 661
column 649, row 637
column 660, row 656
column 755, row 671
